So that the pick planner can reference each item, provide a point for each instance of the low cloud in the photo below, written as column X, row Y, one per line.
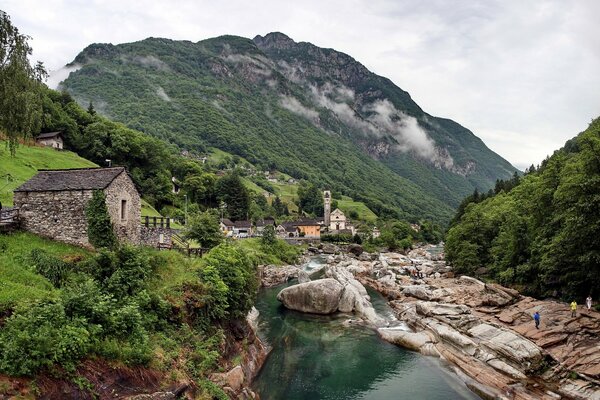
column 151, row 62
column 382, row 119
column 162, row 94
column 57, row 76
column 293, row 105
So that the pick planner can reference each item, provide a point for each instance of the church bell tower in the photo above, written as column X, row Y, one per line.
column 327, row 206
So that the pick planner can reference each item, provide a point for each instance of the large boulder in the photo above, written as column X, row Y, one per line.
column 355, row 249
column 329, row 248
column 318, row 297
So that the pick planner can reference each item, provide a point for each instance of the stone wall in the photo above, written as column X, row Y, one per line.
column 57, row 215
column 151, row 236
column 123, row 189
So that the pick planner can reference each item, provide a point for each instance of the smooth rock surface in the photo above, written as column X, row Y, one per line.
column 318, row 297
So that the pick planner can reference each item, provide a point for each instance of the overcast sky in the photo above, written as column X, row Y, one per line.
column 523, row 75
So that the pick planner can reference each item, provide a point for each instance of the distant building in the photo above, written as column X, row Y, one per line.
column 242, row 229
column 261, row 224
column 376, row 233
column 309, row 228
column 226, row 227
column 288, row 230
column 53, row 203
column 337, row 220
column 51, row 139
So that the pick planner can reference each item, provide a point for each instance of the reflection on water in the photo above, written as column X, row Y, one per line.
column 323, row 357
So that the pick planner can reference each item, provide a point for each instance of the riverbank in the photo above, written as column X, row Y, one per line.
column 485, row 331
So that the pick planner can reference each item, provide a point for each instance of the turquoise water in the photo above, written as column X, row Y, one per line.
column 324, row 357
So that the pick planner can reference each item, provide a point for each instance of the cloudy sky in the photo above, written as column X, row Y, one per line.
column 522, row 75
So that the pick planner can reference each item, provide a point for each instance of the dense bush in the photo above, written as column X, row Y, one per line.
column 204, row 228
column 40, row 336
column 50, row 267
column 238, row 273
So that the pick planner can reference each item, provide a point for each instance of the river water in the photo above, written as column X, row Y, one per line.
column 326, row 357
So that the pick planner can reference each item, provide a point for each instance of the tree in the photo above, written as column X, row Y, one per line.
column 204, row 228
column 20, row 85
column 231, row 190
column 100, row 229
column 268, row 237
column 279, row 208
column 91, row 109
column 310, row 199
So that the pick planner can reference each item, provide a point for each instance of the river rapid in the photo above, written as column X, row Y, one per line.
column 329, row 357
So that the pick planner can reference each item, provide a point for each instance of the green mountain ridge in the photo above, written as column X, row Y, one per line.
column 312, row 113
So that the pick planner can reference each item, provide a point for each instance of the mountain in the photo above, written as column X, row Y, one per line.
column 313, row 113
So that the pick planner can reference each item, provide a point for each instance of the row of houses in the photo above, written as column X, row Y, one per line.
column 308, row 228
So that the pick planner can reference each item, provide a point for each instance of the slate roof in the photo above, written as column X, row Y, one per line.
column 242, row 224
column 227, row 222
column 71, row 179
column 48, row 135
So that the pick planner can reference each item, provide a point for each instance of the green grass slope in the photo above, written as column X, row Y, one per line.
column 27, row 161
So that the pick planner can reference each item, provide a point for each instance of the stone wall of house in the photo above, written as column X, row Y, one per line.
column 57, row 215
column 156, row 236
column 123, row 189
column 55, row 142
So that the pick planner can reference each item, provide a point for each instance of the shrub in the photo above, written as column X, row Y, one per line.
column 204, row 228
column 238, row 274
column 50, row 267
column 268, row 237
column 41, row 336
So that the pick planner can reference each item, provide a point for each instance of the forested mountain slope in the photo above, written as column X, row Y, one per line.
column 543, row 235
column 312, row 113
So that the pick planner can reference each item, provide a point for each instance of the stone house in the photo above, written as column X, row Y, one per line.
column 287, row 230
column 242, row 229
column 226, row 227
column 337, row 220
column 51, row 139
column 53, row 203
column 261, row 224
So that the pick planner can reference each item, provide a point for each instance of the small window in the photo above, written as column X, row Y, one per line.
column 123, row 209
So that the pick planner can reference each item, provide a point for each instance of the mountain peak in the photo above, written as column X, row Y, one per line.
column 274, row 40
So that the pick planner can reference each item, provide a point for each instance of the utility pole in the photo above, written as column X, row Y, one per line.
column 185, row 220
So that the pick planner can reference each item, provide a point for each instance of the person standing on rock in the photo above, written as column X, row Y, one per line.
column 536, row 318
column 588, row 302
column 573, row 309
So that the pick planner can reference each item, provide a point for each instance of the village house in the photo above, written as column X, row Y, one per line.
column 309, row 228
column 226, row 227
column 242, row 229
column 287, row 230
column 261, row 224
column 53, row 203
column 51, row 139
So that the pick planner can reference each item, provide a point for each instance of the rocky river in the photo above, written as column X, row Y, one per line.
column 482, row 333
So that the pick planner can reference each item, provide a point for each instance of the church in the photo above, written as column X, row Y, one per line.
column 335, row 222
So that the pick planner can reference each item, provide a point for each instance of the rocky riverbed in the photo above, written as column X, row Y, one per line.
column 485, row 331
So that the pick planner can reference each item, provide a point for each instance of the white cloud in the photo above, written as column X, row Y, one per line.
column 292, row 104
column 528, row 69
column 160, row 92
column 57, row 76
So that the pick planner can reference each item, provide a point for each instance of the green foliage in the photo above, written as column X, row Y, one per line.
column 41, row 336
column 539, row 232
column 232, row 192
column 310, row 199
column 337, row 238
column 396, row 235
column 279, row 207
column 268, row 236
column 20, row 85
column 50, row 267
column 100, row 229
column 204, row 228
column 238, row 274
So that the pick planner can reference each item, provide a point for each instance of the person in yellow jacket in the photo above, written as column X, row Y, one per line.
column 573, row 309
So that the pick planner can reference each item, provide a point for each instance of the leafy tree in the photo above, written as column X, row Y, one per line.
column 310, row 199
column 279, row 207
column 204, row 228
column 20, row 85
column 268, row 237
column 100, row 228
column 231, row 190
